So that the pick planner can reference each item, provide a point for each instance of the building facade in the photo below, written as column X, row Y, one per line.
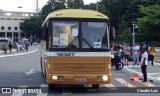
column 10, row 24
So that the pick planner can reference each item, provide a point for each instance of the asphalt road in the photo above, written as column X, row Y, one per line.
column 24, row 71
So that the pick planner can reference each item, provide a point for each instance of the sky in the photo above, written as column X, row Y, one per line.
column 27, row 5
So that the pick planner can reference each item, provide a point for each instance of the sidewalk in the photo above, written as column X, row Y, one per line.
column 153, row 72
column 15, row 52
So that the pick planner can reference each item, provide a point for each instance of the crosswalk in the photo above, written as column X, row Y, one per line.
column 88, row 88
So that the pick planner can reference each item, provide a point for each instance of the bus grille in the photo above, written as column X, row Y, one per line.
column 79, row 67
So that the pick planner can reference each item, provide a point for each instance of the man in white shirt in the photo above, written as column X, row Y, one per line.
column 144, row 61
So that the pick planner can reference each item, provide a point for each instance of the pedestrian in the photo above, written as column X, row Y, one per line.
column 4, row 48
column 144, row 61
column 10, row 47
column 127, row 54
column 116, row 59
column 152, row 52
column 17, row 46
column 136, row 49
column 26, row 45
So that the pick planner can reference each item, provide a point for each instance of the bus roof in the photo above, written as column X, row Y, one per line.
column 75, row 13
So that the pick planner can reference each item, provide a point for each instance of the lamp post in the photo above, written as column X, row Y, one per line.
column 73, row 3
column 97, row 6
column 19, row 7
column 134, row 30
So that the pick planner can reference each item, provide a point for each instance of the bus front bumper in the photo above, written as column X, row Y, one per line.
column 78, row 78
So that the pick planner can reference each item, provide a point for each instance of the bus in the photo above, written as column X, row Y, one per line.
column 75, row 48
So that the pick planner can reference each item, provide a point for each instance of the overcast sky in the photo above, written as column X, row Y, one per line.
column 27, row 5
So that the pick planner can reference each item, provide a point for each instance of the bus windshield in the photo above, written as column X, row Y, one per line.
column 69, row 34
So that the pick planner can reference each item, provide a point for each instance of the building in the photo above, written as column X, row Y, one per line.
column 10, row 24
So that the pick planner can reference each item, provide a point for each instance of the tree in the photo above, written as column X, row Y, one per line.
column 75, row 4
column 92, row 6
column 52, row 5
column 150, row 23
column 32, row 27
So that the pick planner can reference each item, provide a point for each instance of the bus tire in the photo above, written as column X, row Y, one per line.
column 51, row 86
column 95, row 86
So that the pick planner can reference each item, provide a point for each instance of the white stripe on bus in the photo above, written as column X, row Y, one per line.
column 82, row 53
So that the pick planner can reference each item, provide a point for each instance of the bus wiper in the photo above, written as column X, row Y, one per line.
column 87, row 43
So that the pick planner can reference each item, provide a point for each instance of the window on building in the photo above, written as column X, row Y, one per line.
column 15, row 28
column 9, row 28
column 2, row 28
column 2, row 34
column 15, row 34
column 8, row 14
column 9, row 18
column 15, row 19
column 9, row 35
column 2, row 18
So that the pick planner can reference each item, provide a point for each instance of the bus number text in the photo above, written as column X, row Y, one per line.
column 65, row 54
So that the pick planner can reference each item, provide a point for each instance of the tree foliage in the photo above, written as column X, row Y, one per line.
column 75, row 4
column 32, row 26
column 150, row 22
column 52, row 5
column 121, row 13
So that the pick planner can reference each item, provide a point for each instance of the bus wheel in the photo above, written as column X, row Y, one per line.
column 51, row 86
column 95, row 86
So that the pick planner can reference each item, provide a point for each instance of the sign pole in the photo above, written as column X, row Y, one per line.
column 133, row 35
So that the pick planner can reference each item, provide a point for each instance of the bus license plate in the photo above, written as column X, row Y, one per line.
column 80, row 79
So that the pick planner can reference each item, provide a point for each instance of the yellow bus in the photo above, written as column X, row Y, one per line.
column 75, row 48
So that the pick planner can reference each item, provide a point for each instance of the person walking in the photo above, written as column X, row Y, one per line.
column 127, row 53
column 136, row 49
column 144, row 60
column 4, row 48
column 152, row 52
column 10, row 47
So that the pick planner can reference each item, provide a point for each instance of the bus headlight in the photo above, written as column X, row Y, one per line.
column 54, row 77
column 105, row 78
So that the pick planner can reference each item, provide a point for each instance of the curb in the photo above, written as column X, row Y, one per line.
column 130, row 71
column 155, row 63
column 19, row 54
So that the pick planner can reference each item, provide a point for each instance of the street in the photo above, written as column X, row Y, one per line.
column 24, row 71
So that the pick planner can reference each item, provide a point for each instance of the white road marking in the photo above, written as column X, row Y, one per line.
column 109, row 85
column 123, row 82
column 19, row 53
column 30, row 72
